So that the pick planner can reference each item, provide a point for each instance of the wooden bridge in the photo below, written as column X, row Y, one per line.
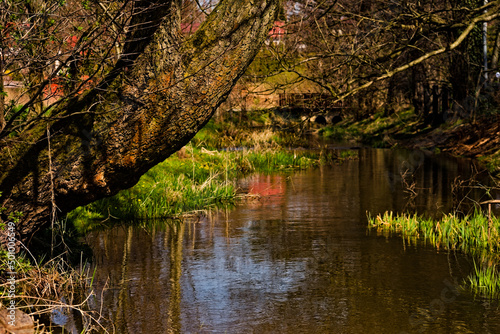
column 309, row 101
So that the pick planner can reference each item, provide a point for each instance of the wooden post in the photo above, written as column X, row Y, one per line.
column 490, row 202
column 493, row 201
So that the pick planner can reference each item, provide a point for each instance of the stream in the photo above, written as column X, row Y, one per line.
column 298, row 258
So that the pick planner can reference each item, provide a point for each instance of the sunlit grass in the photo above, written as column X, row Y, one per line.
column 178, row 185
column 485, row 280
column 474, row 233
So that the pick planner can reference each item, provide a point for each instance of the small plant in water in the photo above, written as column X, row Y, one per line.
column 485, row 280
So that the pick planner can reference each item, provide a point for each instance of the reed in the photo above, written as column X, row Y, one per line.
column 54, row 285
column 476, row 234
column 485, row 279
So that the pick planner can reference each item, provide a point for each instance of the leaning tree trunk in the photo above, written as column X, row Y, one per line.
column 150, row 105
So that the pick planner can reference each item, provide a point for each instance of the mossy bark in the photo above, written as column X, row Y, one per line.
column 150, row 105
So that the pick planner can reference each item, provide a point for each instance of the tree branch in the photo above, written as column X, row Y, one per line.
column 482, row 18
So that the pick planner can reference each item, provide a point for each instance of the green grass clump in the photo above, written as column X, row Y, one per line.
column 475, row 234
column 269, row 161
column 485, row 280
column 179, row 184
column 470, row 234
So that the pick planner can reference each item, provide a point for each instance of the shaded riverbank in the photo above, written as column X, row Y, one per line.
column 478, row 139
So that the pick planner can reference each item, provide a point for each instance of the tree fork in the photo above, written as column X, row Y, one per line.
column 151, row 104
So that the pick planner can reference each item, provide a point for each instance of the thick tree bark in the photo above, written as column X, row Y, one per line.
column 151, row 104
column 496, row 51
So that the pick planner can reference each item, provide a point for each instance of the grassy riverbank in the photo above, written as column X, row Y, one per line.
column 477, row 235
column 203, row 175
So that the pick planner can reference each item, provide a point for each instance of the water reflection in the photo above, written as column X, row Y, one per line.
column 298, row 260
column 140, row 274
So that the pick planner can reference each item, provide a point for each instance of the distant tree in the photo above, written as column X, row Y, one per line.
column 496, row 49
column 391, row 51
column 135, row 90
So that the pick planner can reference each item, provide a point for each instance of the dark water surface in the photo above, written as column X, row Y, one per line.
column 298, row 260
